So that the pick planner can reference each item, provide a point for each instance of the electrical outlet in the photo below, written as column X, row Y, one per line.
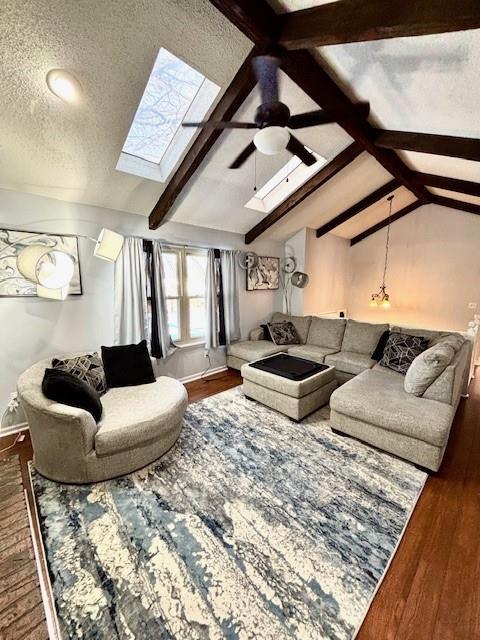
column 472, row 305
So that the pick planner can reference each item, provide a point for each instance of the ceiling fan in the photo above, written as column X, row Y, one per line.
column 273, row 117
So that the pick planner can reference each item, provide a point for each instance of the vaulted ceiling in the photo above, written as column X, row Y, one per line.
column 426, row 84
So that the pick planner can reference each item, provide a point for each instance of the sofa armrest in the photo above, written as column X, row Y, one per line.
column 256, row 334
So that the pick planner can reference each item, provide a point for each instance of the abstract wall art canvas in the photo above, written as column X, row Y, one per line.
column 265, row 275
column 12, row 283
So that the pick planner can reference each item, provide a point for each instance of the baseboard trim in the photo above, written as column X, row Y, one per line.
column 200, row 374
column 15, row 428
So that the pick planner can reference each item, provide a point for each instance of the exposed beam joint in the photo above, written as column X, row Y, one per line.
column 357, row 208
column 254, row 18
column 468, row 148
column 452, row 203
column 331, row 169
column 451, row 184
column 241, row 85
column 359, row 21
column 384, row 223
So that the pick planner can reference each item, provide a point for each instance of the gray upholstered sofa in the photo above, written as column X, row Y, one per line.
column 138, row 425
column 371, row 404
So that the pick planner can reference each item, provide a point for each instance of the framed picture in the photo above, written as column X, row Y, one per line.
column 265, row 275
column 12, row 283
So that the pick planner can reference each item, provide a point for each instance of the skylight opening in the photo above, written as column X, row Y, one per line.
column 282, row 184
column 156, row 140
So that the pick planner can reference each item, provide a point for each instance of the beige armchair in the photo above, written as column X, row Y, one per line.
column 139, row 424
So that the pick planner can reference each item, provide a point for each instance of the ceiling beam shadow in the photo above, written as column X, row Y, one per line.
column 467, row 148
column 234, row 96
column 339, row 162
column 384, row 223
column 364, row 203
column 360, row 21
column 451, row 184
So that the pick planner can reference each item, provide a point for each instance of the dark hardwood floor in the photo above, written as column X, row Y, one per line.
column 432, row 588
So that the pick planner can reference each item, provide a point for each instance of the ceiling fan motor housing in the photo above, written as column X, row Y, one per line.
column 272, row 114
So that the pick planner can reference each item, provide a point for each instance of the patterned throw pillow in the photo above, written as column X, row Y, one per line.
column 401, row 350
column 283, row 333
column 88, row 367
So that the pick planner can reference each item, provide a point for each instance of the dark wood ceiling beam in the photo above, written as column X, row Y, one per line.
column 467, row 148
column 372, row 198
column 234, row 96
column 254, row 18
column 383, row 223
column 451, row 184
column 452, row 203
column 331, row 169
column 359, row 21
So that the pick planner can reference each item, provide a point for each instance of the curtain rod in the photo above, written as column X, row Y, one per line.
column 183, row 245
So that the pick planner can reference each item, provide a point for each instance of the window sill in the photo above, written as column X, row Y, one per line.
column 189, row 345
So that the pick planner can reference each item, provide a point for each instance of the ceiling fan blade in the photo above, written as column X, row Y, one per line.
column 313, row 118
column 309, row 119
column 266, row 72
column 240, row 159
column 221, row 124
column 296, row 147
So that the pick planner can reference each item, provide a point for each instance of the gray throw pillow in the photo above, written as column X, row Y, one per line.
column 283, row 333
column 454, row 340
column 401, row 350
column 426, row 368
column 88, row 367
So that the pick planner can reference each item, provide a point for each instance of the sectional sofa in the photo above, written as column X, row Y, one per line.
column 371, row 402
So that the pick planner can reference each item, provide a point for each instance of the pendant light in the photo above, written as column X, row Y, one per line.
column 382, row 298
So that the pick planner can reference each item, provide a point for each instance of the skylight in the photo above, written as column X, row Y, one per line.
column 283, row 183
column 174, row 92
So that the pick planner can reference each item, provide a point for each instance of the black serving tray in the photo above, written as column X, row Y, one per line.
column 291, row 367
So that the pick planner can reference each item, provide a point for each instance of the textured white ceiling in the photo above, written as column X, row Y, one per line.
column 427, row 84
column 50, row 148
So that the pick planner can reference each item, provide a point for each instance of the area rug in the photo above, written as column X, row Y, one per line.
column 252, row 526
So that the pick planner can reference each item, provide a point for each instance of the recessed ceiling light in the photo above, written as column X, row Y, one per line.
column 64, row 85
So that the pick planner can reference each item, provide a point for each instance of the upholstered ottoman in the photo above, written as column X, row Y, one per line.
column 296, row 399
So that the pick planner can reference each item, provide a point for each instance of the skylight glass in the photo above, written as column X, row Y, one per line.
column 282, row 184
column 170, row 91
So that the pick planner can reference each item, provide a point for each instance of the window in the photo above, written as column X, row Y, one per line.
column 156, row 140
column 185, row 271
column 288, row 179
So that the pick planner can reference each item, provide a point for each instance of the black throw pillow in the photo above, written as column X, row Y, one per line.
column 266, row 333
column 401, row 350
column 380, row 348
column 127, row 365
column 66, row 388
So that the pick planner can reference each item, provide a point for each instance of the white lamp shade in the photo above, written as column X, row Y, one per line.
column 45, row 266
column 52, row 294
column 109, row 245
column 271, row 140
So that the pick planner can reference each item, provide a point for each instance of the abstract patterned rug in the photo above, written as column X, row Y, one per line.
column 252, row 526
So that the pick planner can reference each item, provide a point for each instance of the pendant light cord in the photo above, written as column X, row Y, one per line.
column 388, row 242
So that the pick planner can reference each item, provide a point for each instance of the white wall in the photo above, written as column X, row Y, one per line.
column 433, row 270
column 34, row 328
column 327, row 262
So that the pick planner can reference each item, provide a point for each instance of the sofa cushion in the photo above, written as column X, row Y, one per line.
column 426, row 368
column 310, row 352
column 422, row 333
column 133, row 416
column 381, row 400
column 350, row 362
column 401, row 350
column 127, row 365
column 327, row 332
column 254, row 350
column 362, row 337
column 454, row 340
column 380, row 348
column 66, row 388
column 283, row 333
column 301, row 323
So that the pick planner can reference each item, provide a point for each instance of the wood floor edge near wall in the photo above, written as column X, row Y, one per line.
column 430, row 591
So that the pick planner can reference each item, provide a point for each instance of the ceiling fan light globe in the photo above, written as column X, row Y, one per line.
column 271, row 140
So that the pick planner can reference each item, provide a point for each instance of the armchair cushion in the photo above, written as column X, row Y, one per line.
column 88, row 367
column 68, row 389
column 127, row 365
